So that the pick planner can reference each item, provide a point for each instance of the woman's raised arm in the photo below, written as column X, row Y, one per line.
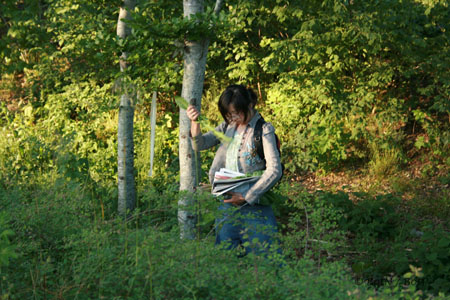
column 193, row 115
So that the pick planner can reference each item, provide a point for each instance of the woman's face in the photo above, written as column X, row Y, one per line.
column 237, row 117
column 234, row 116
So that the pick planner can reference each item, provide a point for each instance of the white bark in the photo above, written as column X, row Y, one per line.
column 195, row 53
column 152, row 133
column 125, row 143
column 218, row 6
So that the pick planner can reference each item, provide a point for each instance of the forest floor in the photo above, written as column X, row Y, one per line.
column 421, row 185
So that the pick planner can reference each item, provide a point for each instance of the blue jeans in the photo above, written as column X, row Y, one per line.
column 253, row 227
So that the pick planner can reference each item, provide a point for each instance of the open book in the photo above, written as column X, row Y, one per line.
column 226, row 180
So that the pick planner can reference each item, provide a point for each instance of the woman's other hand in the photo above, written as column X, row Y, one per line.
column 236, row 199
column 192, row 113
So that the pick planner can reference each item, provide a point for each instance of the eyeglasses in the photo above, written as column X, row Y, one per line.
column 233, row 115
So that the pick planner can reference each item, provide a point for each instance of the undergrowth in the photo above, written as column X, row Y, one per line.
column 59, row 245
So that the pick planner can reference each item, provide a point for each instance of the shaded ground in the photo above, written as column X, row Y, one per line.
column 421, row 185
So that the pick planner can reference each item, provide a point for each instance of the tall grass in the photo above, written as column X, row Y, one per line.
column 66, row 250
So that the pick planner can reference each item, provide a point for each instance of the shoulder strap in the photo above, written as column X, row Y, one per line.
column 258, row 142
column 258, row 137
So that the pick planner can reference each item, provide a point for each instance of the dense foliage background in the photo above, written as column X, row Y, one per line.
column 360, row 89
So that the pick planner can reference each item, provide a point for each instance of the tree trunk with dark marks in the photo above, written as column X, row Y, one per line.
column 125, row 143
column 195, row 53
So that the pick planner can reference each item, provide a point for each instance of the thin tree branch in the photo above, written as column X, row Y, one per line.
column 218, row 6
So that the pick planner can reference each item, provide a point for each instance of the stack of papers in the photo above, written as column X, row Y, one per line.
column 226, row 180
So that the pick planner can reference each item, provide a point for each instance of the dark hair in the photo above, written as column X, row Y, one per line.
column 240, row 97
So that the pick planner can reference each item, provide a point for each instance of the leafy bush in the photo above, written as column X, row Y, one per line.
column 431, row 254
column 343, row 80
column 312, row 227
column 389, row 243
column 7, row 250
column 379, row 242
column 68, row 250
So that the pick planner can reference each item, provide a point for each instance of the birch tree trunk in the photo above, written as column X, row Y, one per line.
column 125, row 143
column 195, row 53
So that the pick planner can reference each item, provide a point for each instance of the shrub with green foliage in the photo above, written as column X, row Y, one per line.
column 68, row 251
column 388, row 242
column 344, row 80
column 312, row 227
column 430, row 253
column 7, row 250
column 379, row 242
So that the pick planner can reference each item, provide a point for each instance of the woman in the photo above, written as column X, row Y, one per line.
column 254, row 222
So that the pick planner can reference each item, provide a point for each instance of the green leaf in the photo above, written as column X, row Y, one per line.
column 443, row 242
column 218, row 134
column 408, row 275
column 420, row 142
column 182, row 103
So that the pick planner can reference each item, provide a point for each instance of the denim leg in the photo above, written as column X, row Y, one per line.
column 228, row 227
column 253, row 224
column 260, row 228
